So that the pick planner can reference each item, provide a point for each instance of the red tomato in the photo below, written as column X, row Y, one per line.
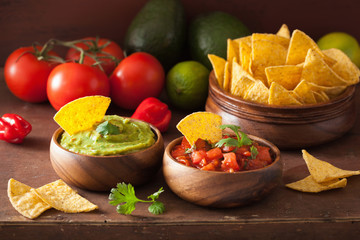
column 212, row 166
column 229, row 164
column 26, row 76
column 264, row 154
column 102, row 48
column 137, row 77
column 177, row 151
column 214, row 153
column 198, row 155
column 70, row 81
column 185, row 144
column 201, row 144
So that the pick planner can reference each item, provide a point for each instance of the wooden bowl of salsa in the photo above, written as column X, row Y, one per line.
column 101, row 173
column 222, row 187
column 288, row 127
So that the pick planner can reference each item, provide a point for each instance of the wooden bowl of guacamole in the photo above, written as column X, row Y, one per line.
column 115, row 150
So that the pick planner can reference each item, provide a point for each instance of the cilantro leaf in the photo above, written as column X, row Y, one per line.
column 156, row 195
column 254, row 152
column 106, row 128
column 123, row 196
column 244, row 140
column 241, row 140
column 156, row 208
column 126, row 208
column 228, row 142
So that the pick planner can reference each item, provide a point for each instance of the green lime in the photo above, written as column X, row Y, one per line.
column 343, row 41
column 187, row 85
column 208, row 34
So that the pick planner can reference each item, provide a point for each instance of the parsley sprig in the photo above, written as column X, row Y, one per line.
column 123, row 196
column 241, row 140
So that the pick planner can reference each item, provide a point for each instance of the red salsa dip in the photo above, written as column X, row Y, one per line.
column 206, row 156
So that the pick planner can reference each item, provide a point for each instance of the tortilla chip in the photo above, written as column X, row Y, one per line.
column 246, row 40
column 315, row 70
column 299, row 45
column 287, row 76
column 82, row 113
column 24, row 200
column 323, row 171
column 306, row 95
column 320, row 96
column 258, row 93
column 272, row 38
column 232, row 50
column 227, row 76
column 265, row 54
column 331, row 92
column 241, row 81
column 284, row 31
column 61, row 197
column 204, row 125
column 278, row 95
column 245, row 55
column 344, row 67
column 218, row 65
column 308, row 184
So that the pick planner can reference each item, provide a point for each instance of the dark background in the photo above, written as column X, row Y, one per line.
column 23, row 22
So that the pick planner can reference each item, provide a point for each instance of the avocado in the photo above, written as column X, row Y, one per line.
column 160, row 30
column 208, row 34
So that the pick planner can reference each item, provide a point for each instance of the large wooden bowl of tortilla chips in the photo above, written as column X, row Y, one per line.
column 288, row 127
column 284, row 88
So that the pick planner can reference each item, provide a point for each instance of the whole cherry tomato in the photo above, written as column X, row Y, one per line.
column 108, row 53
column 26, row 72
column 137, row 77
column 69, row 81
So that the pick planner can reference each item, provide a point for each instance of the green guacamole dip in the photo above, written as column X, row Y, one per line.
column 127, row 136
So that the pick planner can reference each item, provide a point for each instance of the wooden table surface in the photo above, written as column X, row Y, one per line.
column 285, row 214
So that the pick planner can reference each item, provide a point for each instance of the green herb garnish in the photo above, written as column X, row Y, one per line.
column 106, row 128
column 123, row 196
column 240, row 141
column 254, row 152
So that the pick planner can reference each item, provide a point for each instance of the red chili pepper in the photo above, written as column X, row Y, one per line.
column 13, row 128
column 155, row 112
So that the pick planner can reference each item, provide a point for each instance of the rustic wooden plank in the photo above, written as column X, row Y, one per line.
column 286, row 230
column 291, row 214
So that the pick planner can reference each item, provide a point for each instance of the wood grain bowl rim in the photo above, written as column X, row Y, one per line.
column 214, row 86
column 274, row 152
column 56, row 135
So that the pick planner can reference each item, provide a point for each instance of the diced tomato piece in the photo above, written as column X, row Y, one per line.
column 230, row 162
column 214, row 153
column 228, row 148
column 242, row 162
column 177, row 151
column 244, row 150
column 209, row 167
column 185, row 144
column 256, row 164
column 197, row 156
column 201, row 144
column 184, row 160
column 203, row 162
column 264, row 154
